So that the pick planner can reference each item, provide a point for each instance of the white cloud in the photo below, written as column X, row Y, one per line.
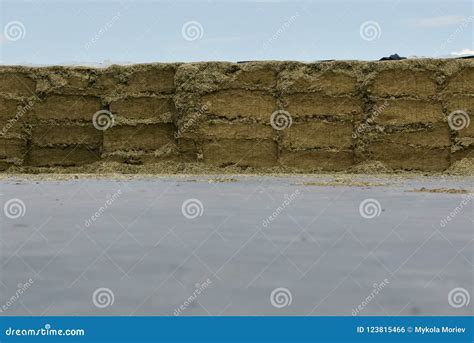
column 441, row 21
column 463, row 52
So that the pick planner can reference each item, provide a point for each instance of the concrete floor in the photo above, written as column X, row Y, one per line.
column 142, row 256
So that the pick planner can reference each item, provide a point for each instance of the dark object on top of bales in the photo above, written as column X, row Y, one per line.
column 393, row 57
column 466, row 57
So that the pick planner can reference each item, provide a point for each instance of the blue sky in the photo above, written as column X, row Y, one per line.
column 63, row 32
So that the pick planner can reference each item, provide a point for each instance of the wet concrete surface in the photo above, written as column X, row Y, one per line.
column 243, row 246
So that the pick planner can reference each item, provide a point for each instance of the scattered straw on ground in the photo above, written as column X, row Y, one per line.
column 440, row 190
column 222, row 180
column 344, row 182
column 115, row 170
